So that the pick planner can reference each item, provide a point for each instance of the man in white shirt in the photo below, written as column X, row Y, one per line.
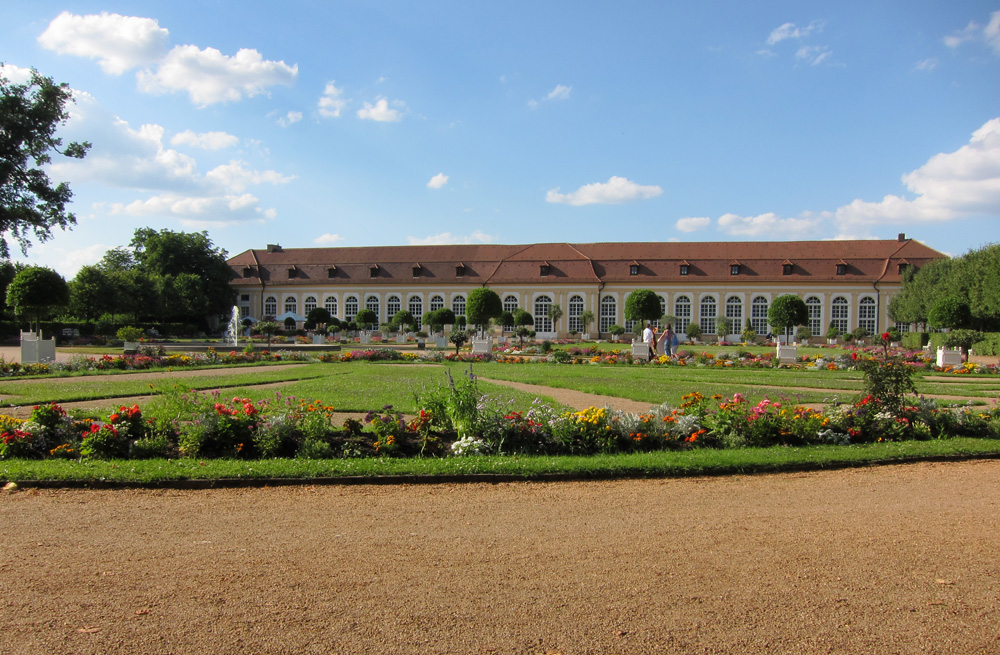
column 648, row 337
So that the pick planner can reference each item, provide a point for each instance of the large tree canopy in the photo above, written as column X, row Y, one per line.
column 787, row 311
column 30, row 205
column 643, row 305
column 482, row 305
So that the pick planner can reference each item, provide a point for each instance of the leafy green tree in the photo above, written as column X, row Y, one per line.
column 36, row 291
column 30, row 205
column 643, row 305
column 506, row 318
column 963, row 339
column 89, row 292
column 319, row 316
column 444, row 316
column 522, row 319
column 586, row 318
column 7, row 272
column 950, row 312
column 786, row 312
column 482, row 305
column 366, row 318
column 171, row 255
column 403, row 318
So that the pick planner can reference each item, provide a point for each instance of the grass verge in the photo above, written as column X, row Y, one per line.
column 208, row 473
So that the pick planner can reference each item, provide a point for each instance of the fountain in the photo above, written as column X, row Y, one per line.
column 233, row 329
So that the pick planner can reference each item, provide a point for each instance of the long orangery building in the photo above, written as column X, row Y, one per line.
column 844, row 283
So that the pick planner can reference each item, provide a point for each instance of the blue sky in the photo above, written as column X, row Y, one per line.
column 390, row 123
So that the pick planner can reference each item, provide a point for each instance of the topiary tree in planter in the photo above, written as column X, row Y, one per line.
column 366, row 318
column 586, row 318
column 643, row 305
column 482, row 305
column 554, row 314
column 786, row 312
column 616, row 331
column 459, row 338
column 522, row 319
column 723, row 326
column 506, row 319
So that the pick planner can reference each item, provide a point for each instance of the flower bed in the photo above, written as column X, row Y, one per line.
column 456, row 419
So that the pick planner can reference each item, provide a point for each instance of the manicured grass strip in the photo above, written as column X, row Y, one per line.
column 17, row 392
column 659, row 464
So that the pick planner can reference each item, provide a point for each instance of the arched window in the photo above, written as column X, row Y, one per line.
column 758, row 315
column 542, row 321
column 815, row 309
column 270, row 307
column 510, row 303
column 437, row 302
column 416, row 307
column 663, row 311
column 331, row 305
column 575, row 309
column 291, row 306
column 350, row 308
column 734, row 312
column 393, row 305
column 866, row 314
column 371, row 302
column 838, row 313
column 707, row 313
column 458, row 306
column 609, row 313
column 308, row 305
column 682, row 310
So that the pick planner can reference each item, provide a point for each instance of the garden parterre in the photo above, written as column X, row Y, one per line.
column 455, row 419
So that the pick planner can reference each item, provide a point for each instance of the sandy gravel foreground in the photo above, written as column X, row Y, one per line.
column 899, row 559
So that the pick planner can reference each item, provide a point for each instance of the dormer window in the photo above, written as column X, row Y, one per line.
column 459, row 270
column 685, row 268
column 247, row 271
column 416, row 270
column 841, row 268
column 902, row 266
column 373, row 270
column 291, row 272
column 734, row 268
column 332, row 271
column 544, row 269
column 633, row 268
column 787, row 267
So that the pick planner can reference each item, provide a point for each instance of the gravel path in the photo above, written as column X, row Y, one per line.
column 895, row 559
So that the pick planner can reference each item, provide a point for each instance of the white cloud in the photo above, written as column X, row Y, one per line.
column 615, row 190
column 204, row 140
column 988, row 34
column 814, row 54
column 927, row 65
column 290, row 118
column 234, row 176
column 210, row 77
column 328, row 239
column 331, row 103
column 693, row 224
column 437, row 181
column 380, row 112
column 559, row 93
column 15, row 74
column 767, row 225
column 117, row 42
column 951, row 185
column 791, row 31
column 447, row 238
column 159, row 179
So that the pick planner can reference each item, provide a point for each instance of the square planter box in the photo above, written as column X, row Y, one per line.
column 787, row 354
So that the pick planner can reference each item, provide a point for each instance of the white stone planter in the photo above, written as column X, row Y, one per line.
column 366, row 339
column 787, row 354
column 441, row 342
column 946, row 357
column 319, row 339
column 131, row 346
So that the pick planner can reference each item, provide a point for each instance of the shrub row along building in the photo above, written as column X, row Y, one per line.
column 844, row 283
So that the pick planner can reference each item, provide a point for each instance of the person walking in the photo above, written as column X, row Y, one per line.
column 666, row 341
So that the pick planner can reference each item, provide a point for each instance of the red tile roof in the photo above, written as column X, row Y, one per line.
column 494, row 264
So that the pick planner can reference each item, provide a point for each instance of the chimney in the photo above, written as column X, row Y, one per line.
column 901, row 237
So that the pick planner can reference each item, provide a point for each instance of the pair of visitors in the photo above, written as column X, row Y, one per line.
column 665, row 341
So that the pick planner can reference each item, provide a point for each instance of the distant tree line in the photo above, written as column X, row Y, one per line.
column 957, row 293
